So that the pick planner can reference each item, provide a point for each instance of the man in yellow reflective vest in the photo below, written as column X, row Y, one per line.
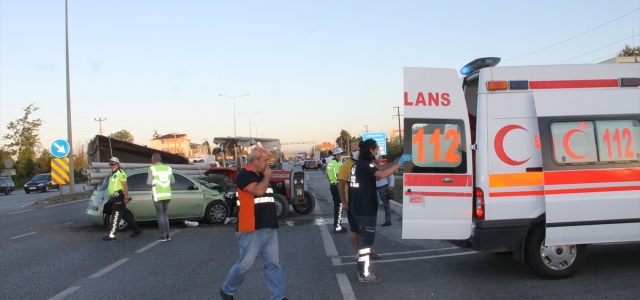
column 333, row 166
column 119, row 197
column 160, row 179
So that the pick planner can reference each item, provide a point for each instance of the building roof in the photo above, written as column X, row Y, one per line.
column 170, row 136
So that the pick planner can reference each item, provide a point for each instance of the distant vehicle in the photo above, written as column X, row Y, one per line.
column 40, row 183
column 204, row 159
column 191, row 200
column 297, row 163
column 6, row 185
column 310, row 164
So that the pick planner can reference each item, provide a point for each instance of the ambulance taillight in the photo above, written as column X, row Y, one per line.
column 479, row 204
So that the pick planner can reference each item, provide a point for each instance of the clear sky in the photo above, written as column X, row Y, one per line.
column 311, row 67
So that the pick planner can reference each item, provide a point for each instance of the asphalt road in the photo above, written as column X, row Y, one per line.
column 19, row 198
column 53, row 252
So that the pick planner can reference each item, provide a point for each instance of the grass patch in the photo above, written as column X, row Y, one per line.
column 67, row 197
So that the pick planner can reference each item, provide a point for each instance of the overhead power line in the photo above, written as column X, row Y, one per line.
column 545, row 48
column 622, row 40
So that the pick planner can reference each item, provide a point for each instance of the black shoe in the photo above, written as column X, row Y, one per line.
column 168, row 238
column 341, row 230
column 136, row 234
column 225, row 296
column 386, row 224
column 108, row 238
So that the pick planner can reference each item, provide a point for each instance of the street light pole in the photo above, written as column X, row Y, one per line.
column 234, row 119
column 234, row 110
column 240, row 113
column 69, row 132
column 257, row 127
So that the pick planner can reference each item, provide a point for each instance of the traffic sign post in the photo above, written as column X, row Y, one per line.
column 379, row 137
column 60, row 148
column 60, row 171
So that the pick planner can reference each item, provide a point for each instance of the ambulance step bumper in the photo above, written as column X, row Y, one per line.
column 498, row 235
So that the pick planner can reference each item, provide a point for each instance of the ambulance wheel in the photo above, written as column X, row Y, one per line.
column 223, row 181
column 282, row 206
column 122, row 225
column 552, row 262
column 216, row 212
column 307, row 208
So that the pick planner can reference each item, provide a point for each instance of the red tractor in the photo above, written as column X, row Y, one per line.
column 288, row 186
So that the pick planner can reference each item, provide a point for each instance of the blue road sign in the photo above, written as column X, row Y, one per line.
column 60, row 148
column 380, row 138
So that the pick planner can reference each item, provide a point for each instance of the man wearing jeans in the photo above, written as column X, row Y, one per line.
column 256, row 228
column 160, row 179
column 384, row 187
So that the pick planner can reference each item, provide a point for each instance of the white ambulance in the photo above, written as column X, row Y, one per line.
column 535, row 160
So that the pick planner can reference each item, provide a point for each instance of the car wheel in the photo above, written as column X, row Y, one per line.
column 27, row 191
column 282, row 206
column 552, row 262
column 216, row 212
column 7, row 191
column 223, row 181
column 122, row 225
column 46, row 189
column 307, row 208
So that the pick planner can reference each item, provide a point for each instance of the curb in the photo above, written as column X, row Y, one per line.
column 396, row 207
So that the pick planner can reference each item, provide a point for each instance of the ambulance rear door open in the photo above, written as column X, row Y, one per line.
column 591, row 164
column 438, row 183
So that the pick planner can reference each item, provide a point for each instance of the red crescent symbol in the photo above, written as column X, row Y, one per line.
column 498, row 145
column 567, row 148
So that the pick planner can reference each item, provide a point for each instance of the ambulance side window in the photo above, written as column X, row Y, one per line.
column 574, row 142
column 437, row 146
column 618, row 140
column 595, row 141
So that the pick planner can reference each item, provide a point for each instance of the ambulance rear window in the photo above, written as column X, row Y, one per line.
column 589, row 141
column 437, row 146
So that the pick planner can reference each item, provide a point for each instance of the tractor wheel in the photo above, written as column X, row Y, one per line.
column 282, row 205
column 223, row 181
column 307, row 208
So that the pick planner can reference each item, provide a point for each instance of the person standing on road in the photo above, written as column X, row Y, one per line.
column 119, row 197
column 333, row 167
column 344, row 176
column 256, row 228
column 160, row 179
column 364, row 203
column 384, row 186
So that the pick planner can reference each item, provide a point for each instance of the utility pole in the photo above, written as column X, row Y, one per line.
column 366, row 128
column 175, row 144
column 72, row 182
column 399, row 128
column 100, row 120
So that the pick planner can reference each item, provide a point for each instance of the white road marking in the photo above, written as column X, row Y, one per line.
column 409, row 252
column 17, row 212
column 345, row 287
column 17, row 237
column 147, row 247
column 24, row 205
column 66, row 203
column 329, row 245
column 65, row 293
column 109, row 268
column 410, row 258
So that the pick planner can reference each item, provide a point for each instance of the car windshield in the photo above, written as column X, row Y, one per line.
column 103, row 186
column 40, row 177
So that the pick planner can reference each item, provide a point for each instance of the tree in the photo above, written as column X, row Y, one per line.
column 206, row 143
column 42, row 164
column 343, row 139
column 123, row 134
column 629, row 51
column 23, row 137
column 80, row 163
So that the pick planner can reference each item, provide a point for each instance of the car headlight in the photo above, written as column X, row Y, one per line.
column 41, row 184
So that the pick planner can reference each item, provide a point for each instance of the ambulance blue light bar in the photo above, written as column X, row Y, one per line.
column 485, row 62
